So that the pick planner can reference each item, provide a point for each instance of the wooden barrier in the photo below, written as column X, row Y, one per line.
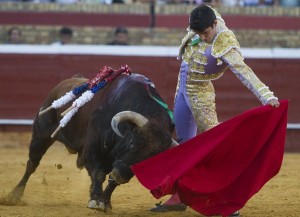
column 27, row 77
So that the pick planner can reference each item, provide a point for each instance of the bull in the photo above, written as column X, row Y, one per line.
column 122, row 125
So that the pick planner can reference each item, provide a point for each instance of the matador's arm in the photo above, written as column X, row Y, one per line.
column 245, row 74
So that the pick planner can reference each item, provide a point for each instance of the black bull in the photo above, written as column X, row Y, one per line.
column 144, row 131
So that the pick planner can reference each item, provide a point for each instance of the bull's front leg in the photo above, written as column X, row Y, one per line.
column 96, row 190
column 108, row 192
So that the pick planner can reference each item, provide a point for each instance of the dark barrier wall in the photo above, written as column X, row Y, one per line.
column 25, row 80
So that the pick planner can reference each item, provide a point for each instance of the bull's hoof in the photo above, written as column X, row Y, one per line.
column 235, row 214
column 108, row 210
column 11, row 200
column 97, row 205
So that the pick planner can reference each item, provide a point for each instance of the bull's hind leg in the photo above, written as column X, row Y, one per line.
column 38, row 147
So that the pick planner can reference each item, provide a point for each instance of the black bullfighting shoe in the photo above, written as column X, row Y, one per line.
column 235, row 214
column 167, row 208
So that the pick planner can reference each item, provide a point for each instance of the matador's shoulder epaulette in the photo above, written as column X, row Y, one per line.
column 223, row 43
column 186, row 38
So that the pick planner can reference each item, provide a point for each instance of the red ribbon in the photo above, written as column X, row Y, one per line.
column 107, row 74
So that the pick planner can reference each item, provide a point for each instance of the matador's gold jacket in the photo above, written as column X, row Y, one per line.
column 209, row 61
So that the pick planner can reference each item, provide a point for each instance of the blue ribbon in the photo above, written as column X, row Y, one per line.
column 97, row 87
column 78, row 90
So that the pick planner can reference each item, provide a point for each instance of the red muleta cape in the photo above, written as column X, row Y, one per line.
column 218, row 171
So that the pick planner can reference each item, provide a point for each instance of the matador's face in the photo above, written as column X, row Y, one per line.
column 209, row 33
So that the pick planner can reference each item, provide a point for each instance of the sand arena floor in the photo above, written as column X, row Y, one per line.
column 53, row 192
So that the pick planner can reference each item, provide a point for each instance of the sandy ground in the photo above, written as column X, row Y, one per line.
column 53, row 192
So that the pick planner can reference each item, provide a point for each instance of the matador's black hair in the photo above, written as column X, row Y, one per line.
column 201, row 18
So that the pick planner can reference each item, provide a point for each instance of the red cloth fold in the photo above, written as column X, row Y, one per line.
column 218, row 171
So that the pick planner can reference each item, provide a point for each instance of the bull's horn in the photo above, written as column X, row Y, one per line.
column 174, row 143
column 134, row 117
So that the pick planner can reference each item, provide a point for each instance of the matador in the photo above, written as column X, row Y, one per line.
column 203, row 62
column 207, row 50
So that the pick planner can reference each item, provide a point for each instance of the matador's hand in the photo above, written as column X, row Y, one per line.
column 274, row 103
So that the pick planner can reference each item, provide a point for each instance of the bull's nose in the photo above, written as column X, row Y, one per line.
column 115, row 175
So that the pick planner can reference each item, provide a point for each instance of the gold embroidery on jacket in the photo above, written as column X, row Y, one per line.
column 202, row 99
column 205, row 77
column 200, row 58
column 223, row 43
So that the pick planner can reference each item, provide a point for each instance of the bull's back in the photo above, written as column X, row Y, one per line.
column 130, row 93
column 121, row 89
column 62, row 88
column 66, row 85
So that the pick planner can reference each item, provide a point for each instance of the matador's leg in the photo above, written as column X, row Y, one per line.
column 202, row 100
